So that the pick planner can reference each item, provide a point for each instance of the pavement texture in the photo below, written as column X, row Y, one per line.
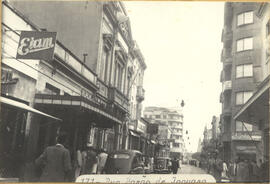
column 189, row 169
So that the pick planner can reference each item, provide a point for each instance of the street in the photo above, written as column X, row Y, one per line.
column 189, row 169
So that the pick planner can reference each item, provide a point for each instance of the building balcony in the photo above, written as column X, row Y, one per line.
column 221, row 97
column 226, row 85
column 226, row 55
column 178, row 133
column 115, row 96
column 102, row 88
column 246, row 136
column 140, row 93
column 227, row 36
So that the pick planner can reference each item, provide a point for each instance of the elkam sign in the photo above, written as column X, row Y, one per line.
column 36, row 45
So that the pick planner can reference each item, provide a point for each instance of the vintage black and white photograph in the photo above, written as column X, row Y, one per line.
column 134, row 91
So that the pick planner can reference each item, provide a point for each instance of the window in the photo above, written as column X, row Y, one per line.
column 245, row 18
column 176, row 145
column 242, row 127
column 104, row 65
column 128, row 84
column 176, row 136
column 242, row 97
column 53, row 90
column 244, row 70
column 164, row 116
column 118, row 76
column 244, row 44
column 157, row 116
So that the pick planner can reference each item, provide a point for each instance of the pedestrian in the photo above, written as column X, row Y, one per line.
column 84, row 157
column 147, row 165
column 250, row 170
column 265, row 170
column 242, row 171
column 102, row 158
column 224, row 173
column 209, row 166
column 260, row 163
column 78, row 162
column 180, row 163
column 175, row 165
column 90, row 162
column 255, row 172
column 218, row 167
column 56, row 161
column 151, row 164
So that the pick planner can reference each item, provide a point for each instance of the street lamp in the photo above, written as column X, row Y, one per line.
column 182, row 103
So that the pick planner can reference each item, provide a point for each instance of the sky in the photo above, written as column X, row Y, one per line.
column 181, row 44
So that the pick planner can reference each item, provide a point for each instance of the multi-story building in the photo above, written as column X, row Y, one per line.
column 137, row 136
column 174, row 119
column 84, row 90
column 256, row 110
column 242, row 54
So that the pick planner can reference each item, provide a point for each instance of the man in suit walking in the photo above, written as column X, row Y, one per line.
column 56, row 161
column 175, row 165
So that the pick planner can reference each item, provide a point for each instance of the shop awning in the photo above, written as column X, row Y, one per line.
column 134, row 134
column 25, row 107
column 256, row 109
column 72, row 101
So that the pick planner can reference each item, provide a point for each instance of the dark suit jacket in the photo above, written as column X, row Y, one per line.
column 57, row 163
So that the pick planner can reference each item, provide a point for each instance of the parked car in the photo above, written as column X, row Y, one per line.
column 124, row 162
column 163, row 165
column 194, row 162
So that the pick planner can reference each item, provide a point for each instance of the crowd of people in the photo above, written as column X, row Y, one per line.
column 240, row 170
column 56, row 164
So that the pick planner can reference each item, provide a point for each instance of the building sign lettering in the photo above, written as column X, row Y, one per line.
column 141, row 127
column 36, row 45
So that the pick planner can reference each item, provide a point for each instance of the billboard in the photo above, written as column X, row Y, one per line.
column 36, row 45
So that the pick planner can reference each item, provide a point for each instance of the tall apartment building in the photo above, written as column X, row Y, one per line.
column 256, row 110
column 242, row 55
column 174, row 119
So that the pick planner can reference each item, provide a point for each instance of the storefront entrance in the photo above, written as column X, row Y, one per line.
column 12, row 131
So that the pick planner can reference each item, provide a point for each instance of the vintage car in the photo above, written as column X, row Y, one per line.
column 124, row 162
column 163, row 165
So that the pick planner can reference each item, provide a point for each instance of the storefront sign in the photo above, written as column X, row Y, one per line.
column 141, row 126
column 36, row 45
column 131, row 126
